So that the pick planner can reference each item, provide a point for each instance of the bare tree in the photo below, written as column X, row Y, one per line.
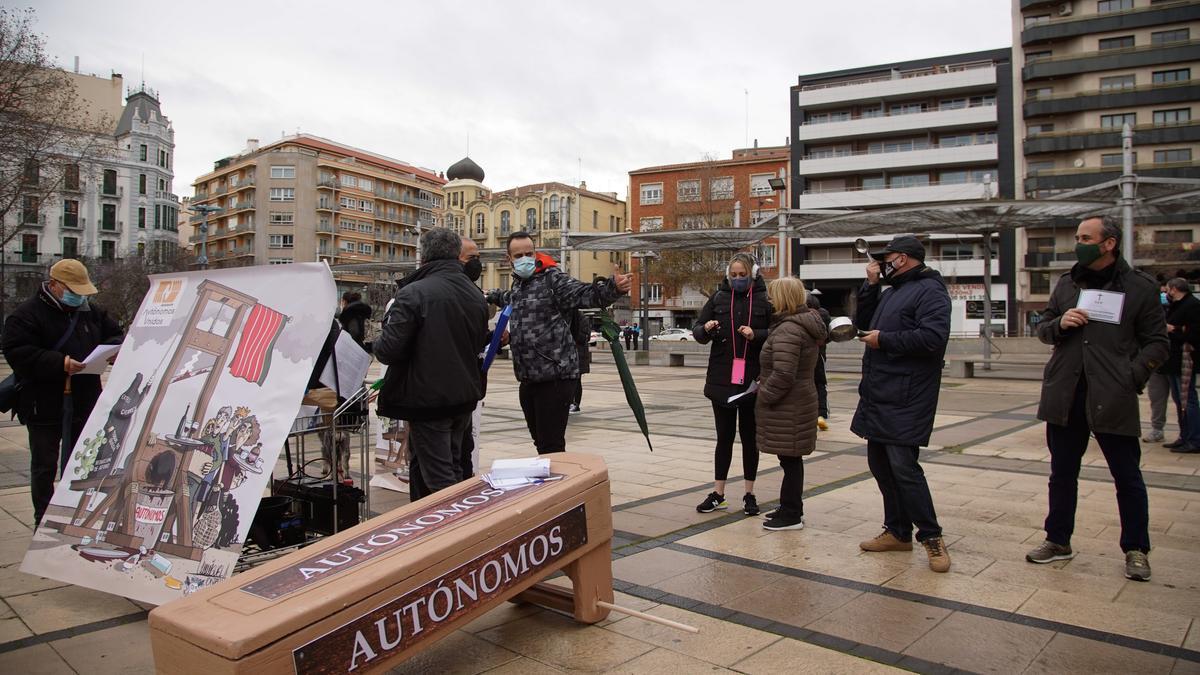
column 46, row 133
column 705, row 207
column 123, row 282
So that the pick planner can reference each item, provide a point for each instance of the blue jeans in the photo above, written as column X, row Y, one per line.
column 906, row 498
column 1189, row 419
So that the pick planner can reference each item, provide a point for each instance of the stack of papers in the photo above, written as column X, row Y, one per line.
column 510, row 473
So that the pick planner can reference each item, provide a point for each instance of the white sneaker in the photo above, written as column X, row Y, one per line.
column 1153, row 436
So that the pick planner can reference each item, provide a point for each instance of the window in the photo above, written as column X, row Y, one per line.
column 1117, row 121
column 650, row 193
column 1123, row 42
column 1117, row 82
column 1168, row 36
column 530, row 219
column 1115, row 159
column 688, row 191
column 29, row 210
column 71, row 177
column 1039, row 283
column 899, row 145
column 873, row 111
column 279, row 241
column 505, row 223
column 348, row 202
column 108, row 249
column 654, row 294
column 909, row 180
column 162, row 184
column 1036, row 19
column 480, row 224
column 366, row 184
column 1034, row 167
column 1031, row 57
column 1173, row 237
column 952, row 104
column 721, row 188
column 954, row 140
column 348, row 180
column 956, row 252
column 650, row 224
column 70, row 247
column 952, row 177
column 766, row 255
column 1172, row 76
column 347, row 246
column 283, row 172
column 1039, row 92
column 162, row 158
column 760, row 184
column 279, row 261
column 70, row 213
column 29, row 248
column 141, row 184
column 281, row 217
column 109, row 184
column 365, row 248
column 1174, row 116
column 691, row 223
column 108, row 217
column 873, row 183
column 283, row 194
column 1106, row 6
column 141, row 217
column 1173, row 155
column 906, row 108
column 366, row 206
column 1041, row 244
column 143, row 152
column 1045, row 128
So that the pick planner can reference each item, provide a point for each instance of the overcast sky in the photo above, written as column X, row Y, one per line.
column 540, row 87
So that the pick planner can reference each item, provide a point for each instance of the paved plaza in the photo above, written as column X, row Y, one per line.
column 765, row 602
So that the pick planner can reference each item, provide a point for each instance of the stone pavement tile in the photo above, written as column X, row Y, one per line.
column 502, row 614
column 1114, row 566
column 1147, row 624
column 648, row 568
column 13, row 547
column 59, row 608
column 794, row 601
column 124, row 649
column 952, row 524
column 666, row 661
column 746, row 539
column 789, row 657
column 871, row 568
column 459, row 654
column 681, row 513
column 1189, row 530
column 719, row 582
column 1176, row 600
column 1192, row 641
column 1185, row 667
column 15, row 582
column 718, row 642
column 1054, row 577
column 647, row 526
column 524, row 666
column 1071, row 654
column 35, row 660
column 962, row 588
column 881, row 621
column 572, row 647
column 955, row 642
column 11, row 626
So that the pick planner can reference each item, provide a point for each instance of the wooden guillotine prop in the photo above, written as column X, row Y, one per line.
column 374, row 595
column 163, row 461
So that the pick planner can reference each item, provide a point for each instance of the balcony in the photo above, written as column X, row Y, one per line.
column 1093, row 139
column 863, row 160
column 408, row 198
column 327, row 183
column 1111, row 59
column 240, row 251
column 323, row 205
column 1056, row 260
column 70, row 221
column 244, row 183
column 231, row 231
column 240, row 206
column 30, row 258
column 1094, row 99
column 890, row 124
column 112, row 192
column 166, row 196
column 389, row 217
column 221, row 189
column 325, row 229
column 32, row 219
column 940, row 80
column 818, row 270
column 393, row 195
column 1088, row 24
column 1072, row 178
column 897, row 195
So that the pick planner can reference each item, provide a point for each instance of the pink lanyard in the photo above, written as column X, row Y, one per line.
column 733, row 320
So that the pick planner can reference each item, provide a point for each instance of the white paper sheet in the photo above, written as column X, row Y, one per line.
column 353, row 362
column 97, row 361
column 1104, row 306
column 753, row 388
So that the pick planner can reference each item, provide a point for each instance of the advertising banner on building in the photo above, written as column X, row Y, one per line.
column 161, row 488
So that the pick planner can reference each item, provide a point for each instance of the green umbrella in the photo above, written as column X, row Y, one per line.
column 612, row 333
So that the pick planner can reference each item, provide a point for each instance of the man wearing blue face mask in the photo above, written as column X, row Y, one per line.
column 45, row 341
column 545, row 360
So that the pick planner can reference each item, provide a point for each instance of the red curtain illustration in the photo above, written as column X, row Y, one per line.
column 252, row 360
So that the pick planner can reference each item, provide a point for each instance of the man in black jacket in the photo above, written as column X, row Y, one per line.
column 908, row 326
column 354, row 316
column 45, row 340
column 1183, row 330
column 430, row 343
column 1106, row 324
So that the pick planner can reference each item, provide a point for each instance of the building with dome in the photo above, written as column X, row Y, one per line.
column 543, row 210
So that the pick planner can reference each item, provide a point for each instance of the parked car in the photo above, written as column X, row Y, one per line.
column 675, row 334
column 595, row 339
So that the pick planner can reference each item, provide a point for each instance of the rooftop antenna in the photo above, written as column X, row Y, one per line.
column 747, row 117
column 143, row 71
column 468, row 144
column 580, row 168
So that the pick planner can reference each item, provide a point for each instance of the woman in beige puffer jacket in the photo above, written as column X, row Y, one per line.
column 787, row 396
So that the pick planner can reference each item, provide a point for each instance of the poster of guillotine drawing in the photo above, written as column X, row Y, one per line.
column 162, row 486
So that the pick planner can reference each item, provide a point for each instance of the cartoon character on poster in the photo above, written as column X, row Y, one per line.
column 162, row 487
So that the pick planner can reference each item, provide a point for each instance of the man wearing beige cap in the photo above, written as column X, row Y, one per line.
column 45, row 341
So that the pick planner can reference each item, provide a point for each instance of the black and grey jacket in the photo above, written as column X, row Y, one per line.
column 540, row 338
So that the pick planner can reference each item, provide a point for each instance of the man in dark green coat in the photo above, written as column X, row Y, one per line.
column 1106, row 324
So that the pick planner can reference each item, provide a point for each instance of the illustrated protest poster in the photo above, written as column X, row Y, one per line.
column 161, row 488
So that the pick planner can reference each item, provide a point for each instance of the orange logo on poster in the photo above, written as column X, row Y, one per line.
column 167, row 291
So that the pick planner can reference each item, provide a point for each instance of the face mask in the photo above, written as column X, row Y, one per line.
column 890, row 268
column 1162, row 297
column 740, row 284
column 473, row 268
column 1087, row 254
column 71, row 299
column 524, row 267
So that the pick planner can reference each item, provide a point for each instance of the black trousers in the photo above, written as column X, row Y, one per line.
column 791, row 492
column 906, row 498
column 742, row 421
column 46, row 461
column 578, row 391
column 822, row 383
column 628, row 342
column 546, row 407
column 437, row 453
column 1123, row 455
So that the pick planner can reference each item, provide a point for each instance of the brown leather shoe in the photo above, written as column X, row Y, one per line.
column 939, row 557
column 886, row 541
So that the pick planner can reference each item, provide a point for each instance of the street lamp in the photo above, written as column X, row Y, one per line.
column 778, row 185
column 204, row 210
column 644, row 294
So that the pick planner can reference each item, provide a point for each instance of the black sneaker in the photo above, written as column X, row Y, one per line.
column 750, row 505
column 712, row 502
column 771, row 514
column 783, row 521
column 1177, row 443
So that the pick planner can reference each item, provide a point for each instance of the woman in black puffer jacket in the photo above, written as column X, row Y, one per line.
column 735, row 320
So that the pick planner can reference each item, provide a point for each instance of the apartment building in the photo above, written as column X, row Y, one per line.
column 898, row 134
column 544, row 210
column 1086, row 68
column 120, row 204
column 305, row 198
column 715, row 193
